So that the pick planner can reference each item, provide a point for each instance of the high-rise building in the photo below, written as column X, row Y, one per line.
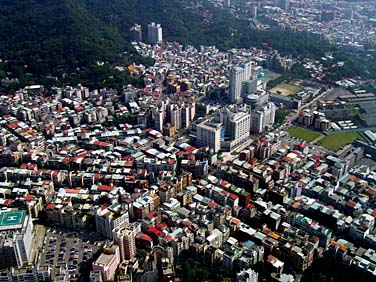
column 238, row 75
column 269, row 114
column 257, row 123
column 192, row 113
column 263, row 118
column 210, row 134
column 16, row 233
column 237, row 124
column 176, row 116
column 227, row 3
column 135, row 33
column 158, row 115
column 253, row 11
column 108, row 218
column 283, row 4
column 154, row 33
column 236, row 80
column 125, row 238
column 185, row 116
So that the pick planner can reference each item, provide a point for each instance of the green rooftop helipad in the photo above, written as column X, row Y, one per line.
column 11, row 219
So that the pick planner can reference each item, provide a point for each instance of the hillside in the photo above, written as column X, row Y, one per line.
column 67, row 37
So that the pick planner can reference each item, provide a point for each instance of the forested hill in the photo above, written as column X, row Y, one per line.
column 51, row 37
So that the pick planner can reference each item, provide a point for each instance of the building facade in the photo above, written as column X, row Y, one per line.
column 135, row 33
column 210, row 134
column 154, row 33
column 125, row 238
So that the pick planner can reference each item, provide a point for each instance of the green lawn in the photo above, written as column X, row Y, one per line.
column 336, row 142
column 302, row 133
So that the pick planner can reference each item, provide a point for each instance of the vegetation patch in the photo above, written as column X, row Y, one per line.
column 336, row 142
column 281, row 115
column 302, row 133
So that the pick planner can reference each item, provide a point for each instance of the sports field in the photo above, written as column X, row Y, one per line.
column 338, row 141
column 302, row 133
column 286, row 89
column 11, row 218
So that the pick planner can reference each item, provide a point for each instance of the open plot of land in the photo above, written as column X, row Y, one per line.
column 302, row 133
column 286, row 89
column 335, row 142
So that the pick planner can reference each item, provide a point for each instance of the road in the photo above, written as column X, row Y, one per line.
column 294, row 115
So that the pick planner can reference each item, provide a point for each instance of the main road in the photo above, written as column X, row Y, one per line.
column 294, row 115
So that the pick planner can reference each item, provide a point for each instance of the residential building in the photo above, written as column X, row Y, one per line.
column 135, row 33
column 108, row 262
column 108, row 218
column 154, row 33
column 125, row 238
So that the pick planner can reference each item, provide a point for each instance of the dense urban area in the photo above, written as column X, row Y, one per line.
column 194, row 162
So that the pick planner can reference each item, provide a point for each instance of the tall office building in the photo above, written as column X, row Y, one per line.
column 210, row 134
column 176, row 116
column 16, row 233
column 125, row 238
column 135, row 33
column 236, row 80
column 263, row 118
column 238, row 75
column 154, row 33
column 185, row 116
column 237, row 124
column 257, row 123
column 158, row 115
column 269, row 114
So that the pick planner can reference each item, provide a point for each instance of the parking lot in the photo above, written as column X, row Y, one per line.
column 65, row 252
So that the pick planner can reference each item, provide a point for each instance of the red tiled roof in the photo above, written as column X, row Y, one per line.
column 106, row 188
column 29, row 198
